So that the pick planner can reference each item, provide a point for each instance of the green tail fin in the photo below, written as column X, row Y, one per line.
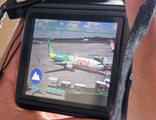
column 50, row 50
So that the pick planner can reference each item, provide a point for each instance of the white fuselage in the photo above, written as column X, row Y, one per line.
column 86, row 63
column 112, row 46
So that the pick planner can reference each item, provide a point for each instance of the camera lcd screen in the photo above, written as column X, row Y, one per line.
column 71, row 61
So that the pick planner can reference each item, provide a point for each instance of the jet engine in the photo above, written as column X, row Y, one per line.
column 69, row 66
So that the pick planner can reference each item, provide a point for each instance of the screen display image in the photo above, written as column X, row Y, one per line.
column 71, row 60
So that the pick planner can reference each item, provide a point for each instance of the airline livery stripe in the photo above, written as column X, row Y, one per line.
column 74, row 31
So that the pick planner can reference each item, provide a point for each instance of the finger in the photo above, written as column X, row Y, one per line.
column 132, row 9
column 141, row 101
column 79, row 119
column 56, row 116
column 11, row 70
column 12, row 45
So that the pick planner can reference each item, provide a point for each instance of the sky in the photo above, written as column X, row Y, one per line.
column 48, row 28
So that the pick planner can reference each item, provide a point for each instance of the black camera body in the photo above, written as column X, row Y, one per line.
column 71, row 58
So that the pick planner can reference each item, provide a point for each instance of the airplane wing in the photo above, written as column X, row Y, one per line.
column 68, row 65
column 59, row 63
column 63, row 63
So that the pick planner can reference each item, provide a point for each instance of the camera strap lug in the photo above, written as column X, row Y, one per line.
column 18, row 9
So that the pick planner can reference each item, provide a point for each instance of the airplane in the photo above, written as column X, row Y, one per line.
column 112, row 44
column 70, row 61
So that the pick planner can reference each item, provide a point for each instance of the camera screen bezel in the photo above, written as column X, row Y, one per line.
column 26, row 50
